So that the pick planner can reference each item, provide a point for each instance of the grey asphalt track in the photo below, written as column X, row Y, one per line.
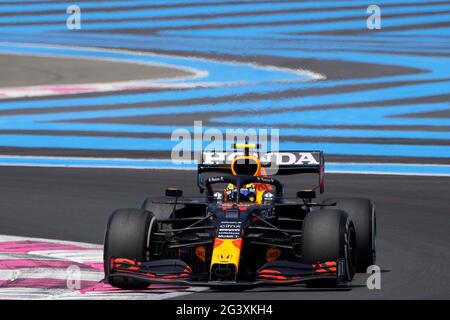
column 35, row 70
column 412, row 213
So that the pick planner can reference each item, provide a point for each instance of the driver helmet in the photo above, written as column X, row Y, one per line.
column 247, row 193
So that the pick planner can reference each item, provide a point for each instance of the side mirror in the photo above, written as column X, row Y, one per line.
column 306, row 194
column 174, row 192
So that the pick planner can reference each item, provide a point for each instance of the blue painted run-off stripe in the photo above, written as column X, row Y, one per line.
column 163, row 144
column 332, row 167
column 376, row 104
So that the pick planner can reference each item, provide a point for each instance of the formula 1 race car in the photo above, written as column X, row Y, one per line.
column 247, row 233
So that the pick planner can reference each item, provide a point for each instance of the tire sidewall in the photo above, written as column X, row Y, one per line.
column 326, row 237
column 363, row 215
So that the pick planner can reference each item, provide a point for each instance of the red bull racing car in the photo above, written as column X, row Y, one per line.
column 247, row 233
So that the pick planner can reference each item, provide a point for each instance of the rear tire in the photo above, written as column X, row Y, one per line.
column 128, row 236
column 362, row 213
column 328, row 235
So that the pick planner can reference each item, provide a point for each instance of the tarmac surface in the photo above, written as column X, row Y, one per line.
column 412, row 221
column 311, row 69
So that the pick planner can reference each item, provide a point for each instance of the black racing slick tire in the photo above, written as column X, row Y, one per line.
column 128, row 235
column 328, row 235
column 362, row 213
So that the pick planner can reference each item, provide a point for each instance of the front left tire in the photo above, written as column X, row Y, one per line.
column 128, row 235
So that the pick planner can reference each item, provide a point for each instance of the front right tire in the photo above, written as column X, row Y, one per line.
column 362, row 213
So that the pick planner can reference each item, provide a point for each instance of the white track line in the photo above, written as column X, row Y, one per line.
column 58, row 294
column 198, row 73
column 48, row 273
column 161, row 83
column 72, row 255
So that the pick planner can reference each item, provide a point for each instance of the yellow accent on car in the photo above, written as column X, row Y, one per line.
column 226, row 251
column 245, row 146
column 245, row 159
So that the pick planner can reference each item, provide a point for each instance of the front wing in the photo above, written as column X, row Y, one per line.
column 177, row 272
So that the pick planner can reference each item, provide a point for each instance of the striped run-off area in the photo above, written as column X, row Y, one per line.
column 34, row 268
column 311, row 69
column 110, row 94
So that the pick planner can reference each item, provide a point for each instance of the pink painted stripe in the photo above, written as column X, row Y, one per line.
column 23, row 263
column 94, row 265
column 28, row 245
column 85, row 285
column 70, row 89
column 43, row 283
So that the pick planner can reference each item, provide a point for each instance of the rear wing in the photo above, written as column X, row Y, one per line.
column 274, row 163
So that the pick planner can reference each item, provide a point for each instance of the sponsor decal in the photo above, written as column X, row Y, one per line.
column 200, row 252
column 268, row 213
column 229, row 230
column 273, row 254
column 278, row 158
